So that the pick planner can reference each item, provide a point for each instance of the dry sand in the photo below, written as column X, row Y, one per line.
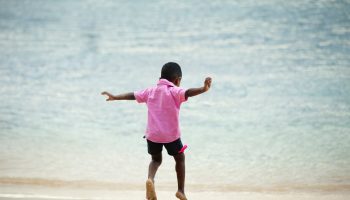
column 137, row 195
column 166, row 195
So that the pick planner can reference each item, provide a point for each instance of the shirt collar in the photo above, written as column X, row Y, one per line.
column 165, row 82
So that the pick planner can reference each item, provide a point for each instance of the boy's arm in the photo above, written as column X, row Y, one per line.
column 196, row 91
column 126, row 96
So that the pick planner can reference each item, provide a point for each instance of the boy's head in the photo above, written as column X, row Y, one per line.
column 172, row 72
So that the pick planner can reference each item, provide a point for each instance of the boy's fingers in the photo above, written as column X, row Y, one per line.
column 105, row 93
column 208, row 80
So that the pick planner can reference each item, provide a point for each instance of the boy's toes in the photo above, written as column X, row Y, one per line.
column 150, row 191
column 180, row 195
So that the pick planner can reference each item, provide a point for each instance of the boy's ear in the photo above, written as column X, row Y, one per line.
column 177, row 81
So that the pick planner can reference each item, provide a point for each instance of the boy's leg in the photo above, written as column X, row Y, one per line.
column 155, row 149
column 180, row 172
column 154, row 165
column 152, row 170
column 173, row 149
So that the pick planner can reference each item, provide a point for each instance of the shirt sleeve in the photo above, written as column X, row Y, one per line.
column 179, row 94
column 141, row 96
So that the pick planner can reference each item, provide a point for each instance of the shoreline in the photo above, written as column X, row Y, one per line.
column 25, row 182
column 66, row 191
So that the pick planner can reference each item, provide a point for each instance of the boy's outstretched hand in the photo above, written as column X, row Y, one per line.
column 126, row 96
column 196, row 91
column 110, row 96
column 207, row 83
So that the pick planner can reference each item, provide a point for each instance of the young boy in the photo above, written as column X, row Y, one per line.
column 163, row 103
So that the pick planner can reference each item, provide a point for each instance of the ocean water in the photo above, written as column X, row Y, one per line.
column 277, row 115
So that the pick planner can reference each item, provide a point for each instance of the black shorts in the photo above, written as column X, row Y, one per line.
column 172, row 148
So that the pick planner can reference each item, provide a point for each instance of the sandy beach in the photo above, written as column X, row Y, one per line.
column 136, row 195
column 65, row 192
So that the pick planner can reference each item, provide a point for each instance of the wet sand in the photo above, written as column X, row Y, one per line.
column 11, row 192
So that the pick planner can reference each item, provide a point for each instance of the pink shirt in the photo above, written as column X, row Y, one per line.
column 163, row 103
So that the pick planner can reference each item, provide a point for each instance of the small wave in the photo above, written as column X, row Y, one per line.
column 84, row 184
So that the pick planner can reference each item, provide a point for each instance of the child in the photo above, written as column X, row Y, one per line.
column 163, row 103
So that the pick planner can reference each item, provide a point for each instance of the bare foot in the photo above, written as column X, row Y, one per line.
column 150, row 191
column 180, row 195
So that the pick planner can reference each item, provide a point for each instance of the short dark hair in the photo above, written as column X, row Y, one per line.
column 171, row 71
